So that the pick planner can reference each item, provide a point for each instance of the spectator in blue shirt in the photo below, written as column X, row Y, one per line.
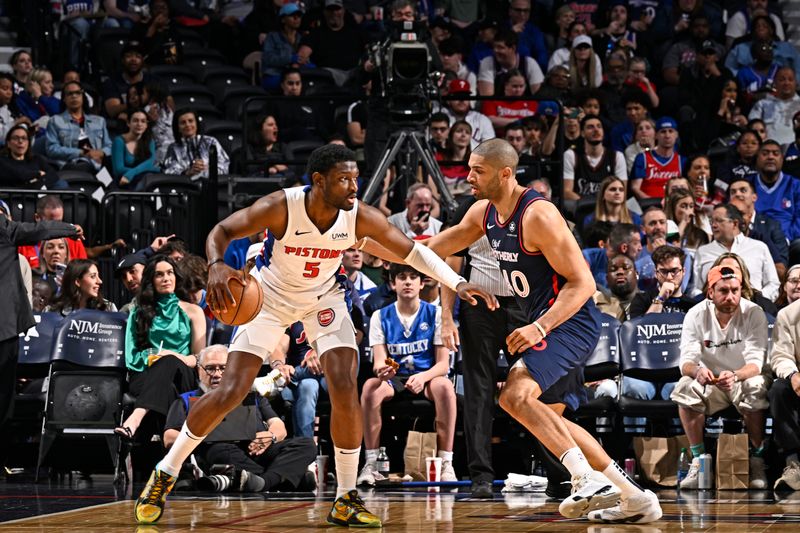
column 624, row 239
column 778, row 195
column 282, row 48
column 133, row 154
column 530, row 36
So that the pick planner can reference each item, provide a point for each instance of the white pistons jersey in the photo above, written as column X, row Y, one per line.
column 305, row 262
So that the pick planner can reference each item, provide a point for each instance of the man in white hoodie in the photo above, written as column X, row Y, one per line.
column 723, row 349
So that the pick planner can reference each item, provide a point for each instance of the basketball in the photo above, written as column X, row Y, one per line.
column 248, row 302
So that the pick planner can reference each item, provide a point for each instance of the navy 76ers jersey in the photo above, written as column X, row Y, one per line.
column 532, row 279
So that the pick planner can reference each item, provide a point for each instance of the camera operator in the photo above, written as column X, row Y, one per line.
column 377, row 105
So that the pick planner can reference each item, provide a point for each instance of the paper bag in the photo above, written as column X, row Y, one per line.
column 733, row 462
column 419, row 445
column 657, row 458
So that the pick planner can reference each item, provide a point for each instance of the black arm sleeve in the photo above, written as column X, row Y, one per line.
column 21, row 233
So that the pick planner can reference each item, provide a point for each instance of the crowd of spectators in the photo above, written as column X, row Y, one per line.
column 679, row 174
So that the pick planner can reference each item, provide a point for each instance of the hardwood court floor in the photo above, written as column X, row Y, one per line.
column 422, row 512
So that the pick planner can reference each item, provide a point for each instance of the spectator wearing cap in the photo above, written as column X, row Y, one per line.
column 743, row 21
column 451, row 52
column 531, row 37
column 763, row 29
column 75, row 139
column 784, row 395
column 441, row 29
column 21, row 168
column 778, row 193
column 590, row 163
column 723, row 350
column 726, row 226
column 561, row 56
column 282, row 48
column 652, row 169
column 505, row 57
column 757, row 225
column 129, row 271
column 115, row 89
column 585, row 70
column 779, row 107
column 682, row 55
column 482, row 128
column 337, row 44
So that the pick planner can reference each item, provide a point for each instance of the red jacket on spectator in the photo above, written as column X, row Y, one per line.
column 31, row 253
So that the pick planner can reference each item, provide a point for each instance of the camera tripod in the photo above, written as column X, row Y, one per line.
column 410, row 145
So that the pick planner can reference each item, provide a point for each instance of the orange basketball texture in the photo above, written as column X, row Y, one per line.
column 248, row 302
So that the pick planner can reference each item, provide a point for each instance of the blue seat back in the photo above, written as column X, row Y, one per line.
column 650, row 346
column 36, row 343
column 91, row 338
column 604, row 361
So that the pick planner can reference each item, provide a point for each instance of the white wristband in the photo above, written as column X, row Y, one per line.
column 426, row 261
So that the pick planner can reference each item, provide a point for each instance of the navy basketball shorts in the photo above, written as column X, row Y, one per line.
column 556, row 364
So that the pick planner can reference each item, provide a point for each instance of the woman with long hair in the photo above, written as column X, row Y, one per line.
column 189, row 154
column 133, row 154
column 644, row 140
column 162, row 335
column 790, row 288
column 584, row 71
column 706, row 194
column 265, row 147
column 730, row 259
column 80, row 289
column 680, row 208
column 610, row 205
column 457, row 149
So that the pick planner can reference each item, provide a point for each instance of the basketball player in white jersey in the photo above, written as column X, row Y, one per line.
column 308, row 230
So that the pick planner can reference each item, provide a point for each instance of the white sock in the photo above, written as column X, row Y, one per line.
column 346, row 469
column 372, row 456
column 574, row 461
column 180, row 451
column 446, row 456
column 619, row 478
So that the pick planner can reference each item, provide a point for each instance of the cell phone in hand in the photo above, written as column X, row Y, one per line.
column 84, row 144
column 423, row 216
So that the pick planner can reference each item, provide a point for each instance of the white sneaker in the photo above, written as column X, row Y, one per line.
column 758, row 473
column 641, row 508
column 369, row 475
column 589, row 492
column 448, row 473
column 790, row 476
column 691, row 481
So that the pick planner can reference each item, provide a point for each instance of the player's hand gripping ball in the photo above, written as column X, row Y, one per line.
column 248, row 297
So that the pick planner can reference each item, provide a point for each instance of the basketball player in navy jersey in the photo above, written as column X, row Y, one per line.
column 308, row 230
column 542, row 262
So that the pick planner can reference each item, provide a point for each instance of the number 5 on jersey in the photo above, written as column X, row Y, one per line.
column 311, row 270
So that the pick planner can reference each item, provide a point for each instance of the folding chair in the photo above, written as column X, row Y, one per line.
column 85, row 383
column 650, row 351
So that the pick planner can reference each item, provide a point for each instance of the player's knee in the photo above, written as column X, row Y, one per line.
column 512, row 399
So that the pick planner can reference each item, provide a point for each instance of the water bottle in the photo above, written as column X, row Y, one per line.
column 683, row 466
column 383, row 462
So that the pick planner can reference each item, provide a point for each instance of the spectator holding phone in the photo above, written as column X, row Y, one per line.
column 416, row 219
column 77, row 140
column 53, row 258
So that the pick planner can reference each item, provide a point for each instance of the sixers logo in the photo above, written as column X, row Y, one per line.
column 325, row 317
column 786, row 203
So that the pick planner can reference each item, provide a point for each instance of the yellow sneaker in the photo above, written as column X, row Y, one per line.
column 348, row 510
column 150, row 504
